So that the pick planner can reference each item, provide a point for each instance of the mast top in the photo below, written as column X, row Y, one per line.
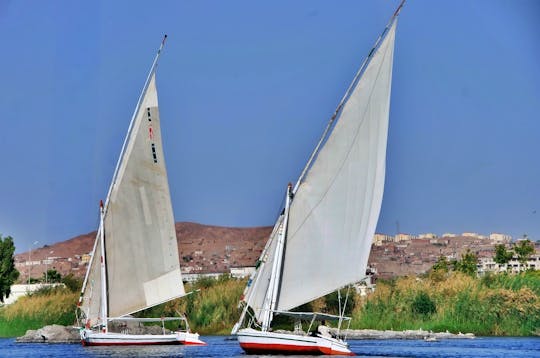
column 162, row 43
column 395, row 13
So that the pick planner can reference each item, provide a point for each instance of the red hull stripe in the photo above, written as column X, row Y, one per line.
column 186, row 343
column 261, row 348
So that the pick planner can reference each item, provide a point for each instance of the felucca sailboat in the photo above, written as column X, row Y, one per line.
column 322, row 239
column 134, row 262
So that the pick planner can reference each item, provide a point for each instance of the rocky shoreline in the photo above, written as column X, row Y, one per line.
column 51, row 334
column 407, row 334
column 63, row 334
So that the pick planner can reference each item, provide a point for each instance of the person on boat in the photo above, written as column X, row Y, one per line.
column 324, row 330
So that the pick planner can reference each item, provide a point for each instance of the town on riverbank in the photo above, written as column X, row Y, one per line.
column 210, row 251
column 457, row 291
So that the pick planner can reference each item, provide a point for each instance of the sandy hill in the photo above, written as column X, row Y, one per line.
column 201, row 248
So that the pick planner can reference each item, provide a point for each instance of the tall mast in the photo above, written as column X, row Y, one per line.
column 345, row 97
column 270, row 300
column 103, row 271
column 139, row 102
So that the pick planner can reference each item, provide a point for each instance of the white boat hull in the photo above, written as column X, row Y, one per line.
column 258, row 342
column 93, row 338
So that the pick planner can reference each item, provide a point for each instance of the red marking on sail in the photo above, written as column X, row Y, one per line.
column 150, row 132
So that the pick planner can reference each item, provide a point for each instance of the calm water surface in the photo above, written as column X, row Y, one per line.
column 225, row 347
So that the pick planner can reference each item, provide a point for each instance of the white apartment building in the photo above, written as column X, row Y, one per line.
column 487, row 264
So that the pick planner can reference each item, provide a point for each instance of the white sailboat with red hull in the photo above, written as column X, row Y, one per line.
column 322, row 239
column 135, row 263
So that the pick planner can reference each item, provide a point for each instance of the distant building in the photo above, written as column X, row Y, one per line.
column 379, row 239
column 85, row 258
column 498, row 238
column 241, row 272
column 448, row 234
column 487, row 264
column 404, row 237
column 428, row 235
column 470, row 234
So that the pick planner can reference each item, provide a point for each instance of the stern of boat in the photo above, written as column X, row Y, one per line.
column 188, row 338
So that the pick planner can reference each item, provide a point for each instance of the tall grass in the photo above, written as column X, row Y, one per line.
column 35, row 311
column 210, row 309
column 495, row 305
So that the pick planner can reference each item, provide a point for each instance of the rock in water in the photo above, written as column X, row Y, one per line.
column 51, row 334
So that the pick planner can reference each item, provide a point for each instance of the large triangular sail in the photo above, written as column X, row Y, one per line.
column 140, row 238
column 142, row 265
column 337, row 200
column 335, row 210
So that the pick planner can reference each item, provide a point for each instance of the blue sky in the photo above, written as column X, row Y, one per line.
column 245, row 90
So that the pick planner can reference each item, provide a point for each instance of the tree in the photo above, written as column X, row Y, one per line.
column 8, row 272
column 467, row 264
column 52, row 276
column 524, row 249
column 502, row 255
column 442, row 264
column 73, row 283
column 439, row 270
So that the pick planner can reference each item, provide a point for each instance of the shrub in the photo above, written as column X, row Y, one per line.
column 423, row 304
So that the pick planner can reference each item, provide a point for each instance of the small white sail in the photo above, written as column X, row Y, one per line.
column 91, row 300
column 140, row 240
column 335, row 210
column 255, row 293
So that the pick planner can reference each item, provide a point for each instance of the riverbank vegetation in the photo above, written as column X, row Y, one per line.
column 211, row 308
column 502, row 304
column 49, row 306
column 490, row 306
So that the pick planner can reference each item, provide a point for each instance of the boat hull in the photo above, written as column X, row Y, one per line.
column 259, row 342
column 92, row 338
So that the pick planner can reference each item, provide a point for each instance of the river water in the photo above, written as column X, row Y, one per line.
column 219, row 346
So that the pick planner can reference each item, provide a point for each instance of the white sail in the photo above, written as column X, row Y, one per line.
column 91, row 301
column 335, row 210
column 255, row 293
column 140, row 240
